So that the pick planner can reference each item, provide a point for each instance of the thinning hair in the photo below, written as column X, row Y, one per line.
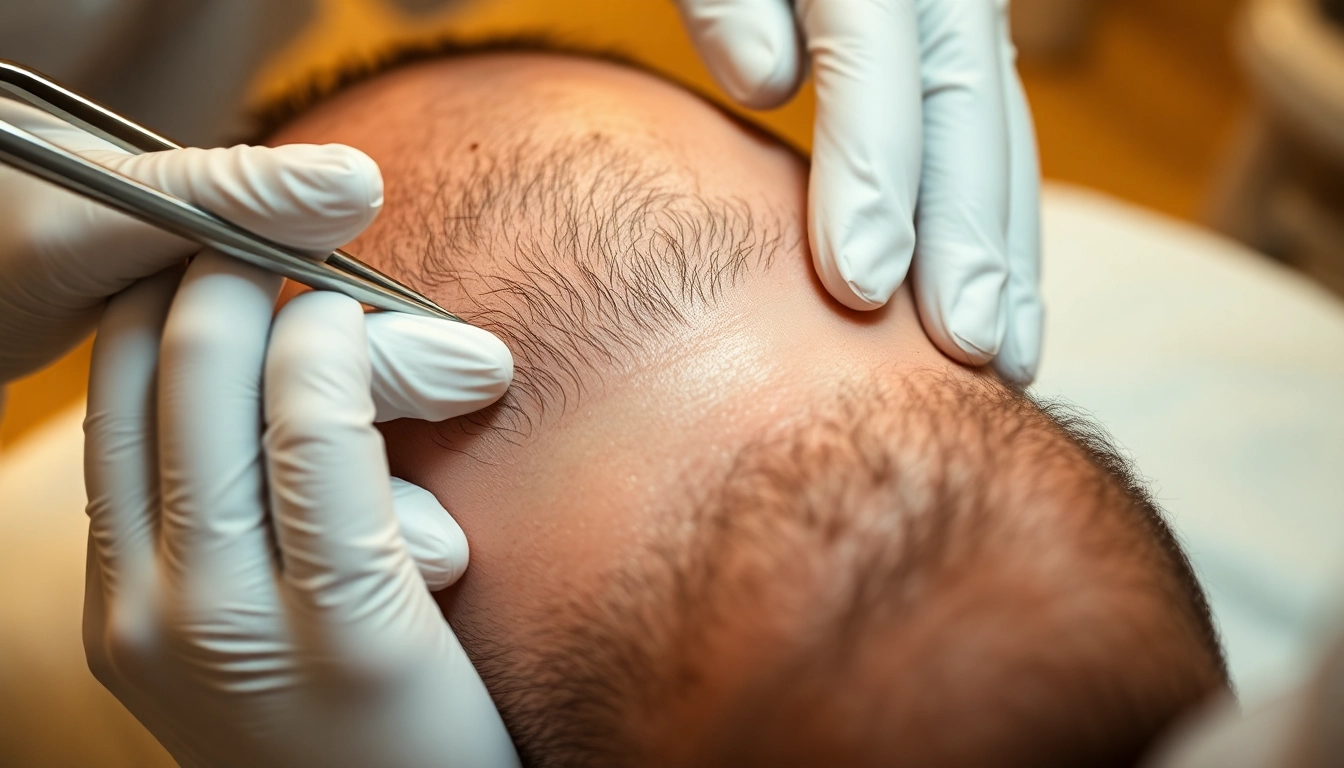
column 598, row 253
column 595, row 251
column 904, row 527
column 1002, row 592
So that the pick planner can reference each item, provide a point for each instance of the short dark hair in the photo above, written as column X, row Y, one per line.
column 873, row 516
column 622, row 249
column 907, row 485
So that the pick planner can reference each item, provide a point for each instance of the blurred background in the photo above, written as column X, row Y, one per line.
column 1224, row 112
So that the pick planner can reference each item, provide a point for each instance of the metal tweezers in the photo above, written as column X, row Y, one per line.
column 337, row 271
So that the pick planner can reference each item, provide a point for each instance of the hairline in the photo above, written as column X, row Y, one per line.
column 706, row 240
column 321, row 86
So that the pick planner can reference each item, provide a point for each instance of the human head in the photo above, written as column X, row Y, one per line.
column 721, row 519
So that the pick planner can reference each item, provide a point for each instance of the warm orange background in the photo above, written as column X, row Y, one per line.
column 1144, row 113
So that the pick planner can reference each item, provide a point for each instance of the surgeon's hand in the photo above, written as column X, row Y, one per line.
column 250, row 598
column 923, row 150
column 61, row 256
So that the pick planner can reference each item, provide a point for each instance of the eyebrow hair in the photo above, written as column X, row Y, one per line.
column 320, row 86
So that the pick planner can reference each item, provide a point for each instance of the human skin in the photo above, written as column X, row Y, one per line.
column 551, row 512
column 720, row 519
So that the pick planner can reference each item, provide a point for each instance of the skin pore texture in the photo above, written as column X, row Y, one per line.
column 593, row 466
column 720, row 518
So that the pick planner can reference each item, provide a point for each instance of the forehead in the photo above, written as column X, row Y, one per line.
column 500, row 99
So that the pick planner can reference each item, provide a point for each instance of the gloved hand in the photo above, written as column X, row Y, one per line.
column 923, row 149
column 62, row 256
column 249, row 596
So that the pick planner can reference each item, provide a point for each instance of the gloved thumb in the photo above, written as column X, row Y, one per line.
column 750, row 46
column 434, row 539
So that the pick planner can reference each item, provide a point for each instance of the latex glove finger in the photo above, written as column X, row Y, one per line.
column 433, row 538
column 120, row 440
column 107, row 649
column 214, row 532
column 61, row 255
column 307, row 196
column 429, row 369
column 866, row 152
column 346, row 566
column 331, row 499
column 51, row 128
column 95, row 620
column 961, row 266
column 1020, row 356
column 310, row 197
column 432, row 370
column 122, row 484
column 750, row 46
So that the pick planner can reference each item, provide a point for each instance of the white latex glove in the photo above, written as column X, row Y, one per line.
column 250, row 598
column 62, row 256
column 923, row 149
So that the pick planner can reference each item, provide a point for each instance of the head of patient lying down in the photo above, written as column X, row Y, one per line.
column 720, row 519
